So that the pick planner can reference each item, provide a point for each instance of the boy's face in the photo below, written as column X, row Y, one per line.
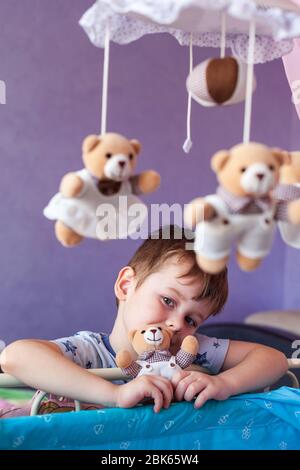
column 165, row 297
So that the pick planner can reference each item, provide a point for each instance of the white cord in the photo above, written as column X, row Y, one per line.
column 249, row 83
column 223, row 35
column 105, row 81
column 188, row 142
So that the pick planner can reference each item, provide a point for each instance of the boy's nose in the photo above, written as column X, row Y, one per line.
column 174, row 325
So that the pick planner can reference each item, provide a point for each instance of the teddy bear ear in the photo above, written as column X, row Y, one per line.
column 131, row 334
column 219, row 160
column 283, row 157
column 136, row 145
column 90, row 142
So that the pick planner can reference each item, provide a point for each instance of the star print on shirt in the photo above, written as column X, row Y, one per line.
column 70, row 347
column 92, row 335
column 88, row 365
column 216, row 344
column 201, row 359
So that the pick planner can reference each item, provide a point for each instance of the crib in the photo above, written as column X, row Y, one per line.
column 266, row 420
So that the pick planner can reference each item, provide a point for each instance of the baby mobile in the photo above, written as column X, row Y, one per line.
column 106, row 185
column 248, row 202
column 254, row 195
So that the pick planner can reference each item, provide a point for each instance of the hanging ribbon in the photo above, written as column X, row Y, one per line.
column 223, row 35
column 249, row 83
column 105, row 81
column 188, row 142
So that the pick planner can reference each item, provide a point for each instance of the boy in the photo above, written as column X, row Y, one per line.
column 161, row 284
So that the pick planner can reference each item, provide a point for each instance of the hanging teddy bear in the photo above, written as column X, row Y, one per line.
column 85, row 195
column 152, row 345
column 287, row 194
column 242, row 211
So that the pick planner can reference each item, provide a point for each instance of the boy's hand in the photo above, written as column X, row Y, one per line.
column 146, row 386
column 187, row 384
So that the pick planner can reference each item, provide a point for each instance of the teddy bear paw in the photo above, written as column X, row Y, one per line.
column 211, row 266
column 123, row 359
column 247, row 264
column 66, row 236
column 190, row 345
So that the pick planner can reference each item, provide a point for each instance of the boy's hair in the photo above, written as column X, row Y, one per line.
column 167, row 242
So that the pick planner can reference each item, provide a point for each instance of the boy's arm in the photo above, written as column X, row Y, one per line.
column 252, row 366
column 247, row 367
column 41, row 365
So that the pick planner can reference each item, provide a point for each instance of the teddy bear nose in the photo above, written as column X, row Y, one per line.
column 260, row 176
column 153, row 331
column 121, row 164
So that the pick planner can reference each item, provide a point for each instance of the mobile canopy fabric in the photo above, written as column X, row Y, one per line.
column 277, row 23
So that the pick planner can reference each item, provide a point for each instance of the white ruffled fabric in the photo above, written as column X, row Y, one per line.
column 131, row 19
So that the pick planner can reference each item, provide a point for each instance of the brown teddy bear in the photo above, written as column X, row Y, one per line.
column 242, row 211
column 287, row 193
column 152, row 345
column 84, row 195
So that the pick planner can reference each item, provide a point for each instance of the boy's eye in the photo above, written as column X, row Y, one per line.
column 167, row 301
column 190, row 321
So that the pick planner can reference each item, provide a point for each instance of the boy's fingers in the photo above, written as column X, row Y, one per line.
column 157, row 396
column 178, row 377
column 203, row 397
column 194, row 388
column 166, row 388
column 182, row 387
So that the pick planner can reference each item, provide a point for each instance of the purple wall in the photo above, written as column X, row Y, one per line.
column 53, row 78
column 291, row 299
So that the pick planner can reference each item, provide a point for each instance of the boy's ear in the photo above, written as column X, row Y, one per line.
column 124, row 280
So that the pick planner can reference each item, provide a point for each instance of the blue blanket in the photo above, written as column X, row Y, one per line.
column 251, row 421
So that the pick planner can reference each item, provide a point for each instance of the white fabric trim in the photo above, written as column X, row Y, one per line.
column 82, row 215
column 131, row 19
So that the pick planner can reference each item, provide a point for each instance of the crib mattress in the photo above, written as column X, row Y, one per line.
column 250, row 421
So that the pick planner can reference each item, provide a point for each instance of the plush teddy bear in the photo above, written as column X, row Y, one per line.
column 287, row 193
column 109, row 162
column 242, row 211
column 152, row 345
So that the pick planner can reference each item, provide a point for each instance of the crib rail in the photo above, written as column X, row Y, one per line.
column 112, row 374
column 8, row 381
